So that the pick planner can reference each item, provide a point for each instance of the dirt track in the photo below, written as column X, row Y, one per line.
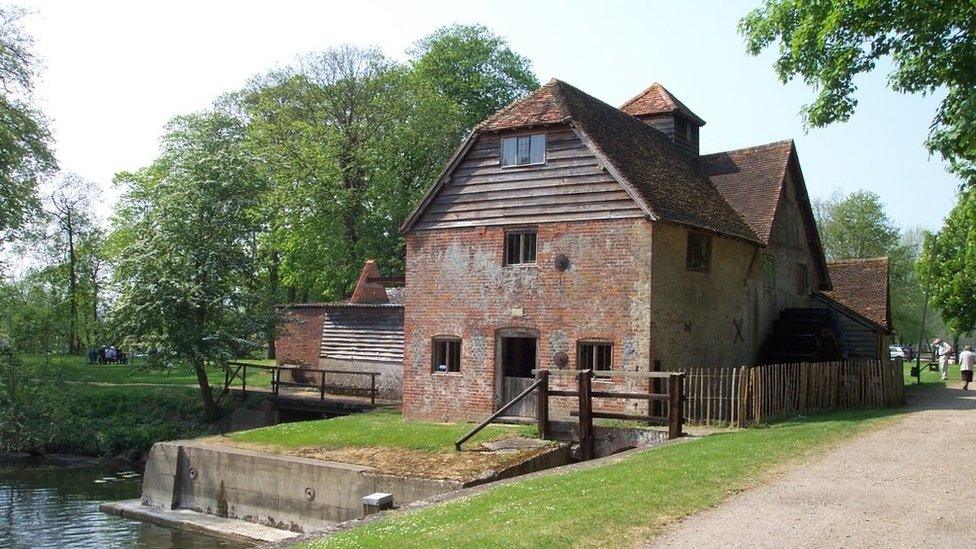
column 908, row 484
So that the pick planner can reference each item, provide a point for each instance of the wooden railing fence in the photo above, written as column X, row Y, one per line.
column 240, row 372
column 584, row 394
column 752, row 395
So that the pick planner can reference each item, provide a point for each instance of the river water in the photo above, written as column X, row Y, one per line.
column 57, row 506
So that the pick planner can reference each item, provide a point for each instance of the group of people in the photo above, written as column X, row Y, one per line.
column 967, row 360
column 107, row 354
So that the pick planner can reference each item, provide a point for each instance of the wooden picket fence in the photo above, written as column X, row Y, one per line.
column 752, row 395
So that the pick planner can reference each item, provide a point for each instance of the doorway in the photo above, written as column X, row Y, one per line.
column 516, row 353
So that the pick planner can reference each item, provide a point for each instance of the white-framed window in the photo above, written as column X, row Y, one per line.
column 524, row 150
column 446, row 354
column 595, row 355
column 520, row 246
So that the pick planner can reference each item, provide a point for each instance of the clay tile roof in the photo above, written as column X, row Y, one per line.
column 658, row 100
column 669, row 182
column 751, row 180
column 862, row 286
column 543, row 106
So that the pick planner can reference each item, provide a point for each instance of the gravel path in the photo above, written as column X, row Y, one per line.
column 907, row 484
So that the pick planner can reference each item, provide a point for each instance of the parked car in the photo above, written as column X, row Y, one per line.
column 897, row 351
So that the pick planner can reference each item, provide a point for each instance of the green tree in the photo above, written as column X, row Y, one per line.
column 949, row 267
column 350, row 140
column 855, row 226
column 72, row 221
column 474, row 67
column 827, row 43
column 25, row 155
column 186, row 273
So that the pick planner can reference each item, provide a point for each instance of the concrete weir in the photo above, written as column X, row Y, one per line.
column 282, row 492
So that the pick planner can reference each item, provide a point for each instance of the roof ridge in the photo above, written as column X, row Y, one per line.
column 771, row 144
column 880, row 258
column 645, row 91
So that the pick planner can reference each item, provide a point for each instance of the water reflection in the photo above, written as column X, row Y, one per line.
column 57, row 506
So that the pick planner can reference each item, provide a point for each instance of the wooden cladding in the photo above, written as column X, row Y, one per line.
column 367, row 334
column 570, row 186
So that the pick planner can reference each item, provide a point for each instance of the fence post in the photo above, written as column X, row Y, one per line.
column 675, row 393
column 244, row 381
column 585, row 414
column 322, row 385
column 542, row 404
column 372, row 389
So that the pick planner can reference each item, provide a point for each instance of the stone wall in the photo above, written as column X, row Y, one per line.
column 694, row 314
column 458, row 285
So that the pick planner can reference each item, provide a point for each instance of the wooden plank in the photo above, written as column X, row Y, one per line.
column 464, row 171
column 526, row 175
column 542, row 405
column 488, row 157
column 561, row 187
column 533, row 219
column 629, row 396
column 585, row 416
column 675, row 416
column 548, row 199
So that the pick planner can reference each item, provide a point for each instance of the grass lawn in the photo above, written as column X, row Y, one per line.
column 76, row 368
column 929, row 377
column 619, row 504
column 383, row 441
column 380, row 428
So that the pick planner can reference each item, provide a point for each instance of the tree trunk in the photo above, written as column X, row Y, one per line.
column 94, row 281
column 74, row 345
column 273, row 284
column 210, row 410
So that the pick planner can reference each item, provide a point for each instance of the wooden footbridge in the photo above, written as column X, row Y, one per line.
column 310, row 390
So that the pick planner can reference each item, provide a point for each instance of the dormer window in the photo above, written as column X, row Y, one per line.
column 524, row 150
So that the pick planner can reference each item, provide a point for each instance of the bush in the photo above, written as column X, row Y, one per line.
column 114, row 422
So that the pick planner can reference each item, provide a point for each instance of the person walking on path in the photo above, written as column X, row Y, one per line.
column 942, row 351
column 967, row 359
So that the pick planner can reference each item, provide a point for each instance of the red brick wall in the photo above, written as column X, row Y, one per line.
column 457, row 285
column 300, row 336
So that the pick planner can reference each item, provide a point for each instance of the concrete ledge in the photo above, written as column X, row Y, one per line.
column 280, row 491
column 237, row 530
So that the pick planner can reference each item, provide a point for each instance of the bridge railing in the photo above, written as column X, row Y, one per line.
column 240, row 372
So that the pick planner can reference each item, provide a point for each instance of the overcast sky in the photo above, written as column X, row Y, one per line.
column 115, row 72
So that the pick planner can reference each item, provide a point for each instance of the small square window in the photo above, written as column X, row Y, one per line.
column 446, row 354
column 791, row 224
column 802, row 278
column 769, row 271
column 524, row 150
column 520, row 247
column 699, row 254
column 595, row 356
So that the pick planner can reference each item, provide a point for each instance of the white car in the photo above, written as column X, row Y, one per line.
column 897, row 351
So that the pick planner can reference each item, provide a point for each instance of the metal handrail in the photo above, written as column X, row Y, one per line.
column 493, row 417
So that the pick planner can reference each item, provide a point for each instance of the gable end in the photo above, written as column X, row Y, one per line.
column 573, row 185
